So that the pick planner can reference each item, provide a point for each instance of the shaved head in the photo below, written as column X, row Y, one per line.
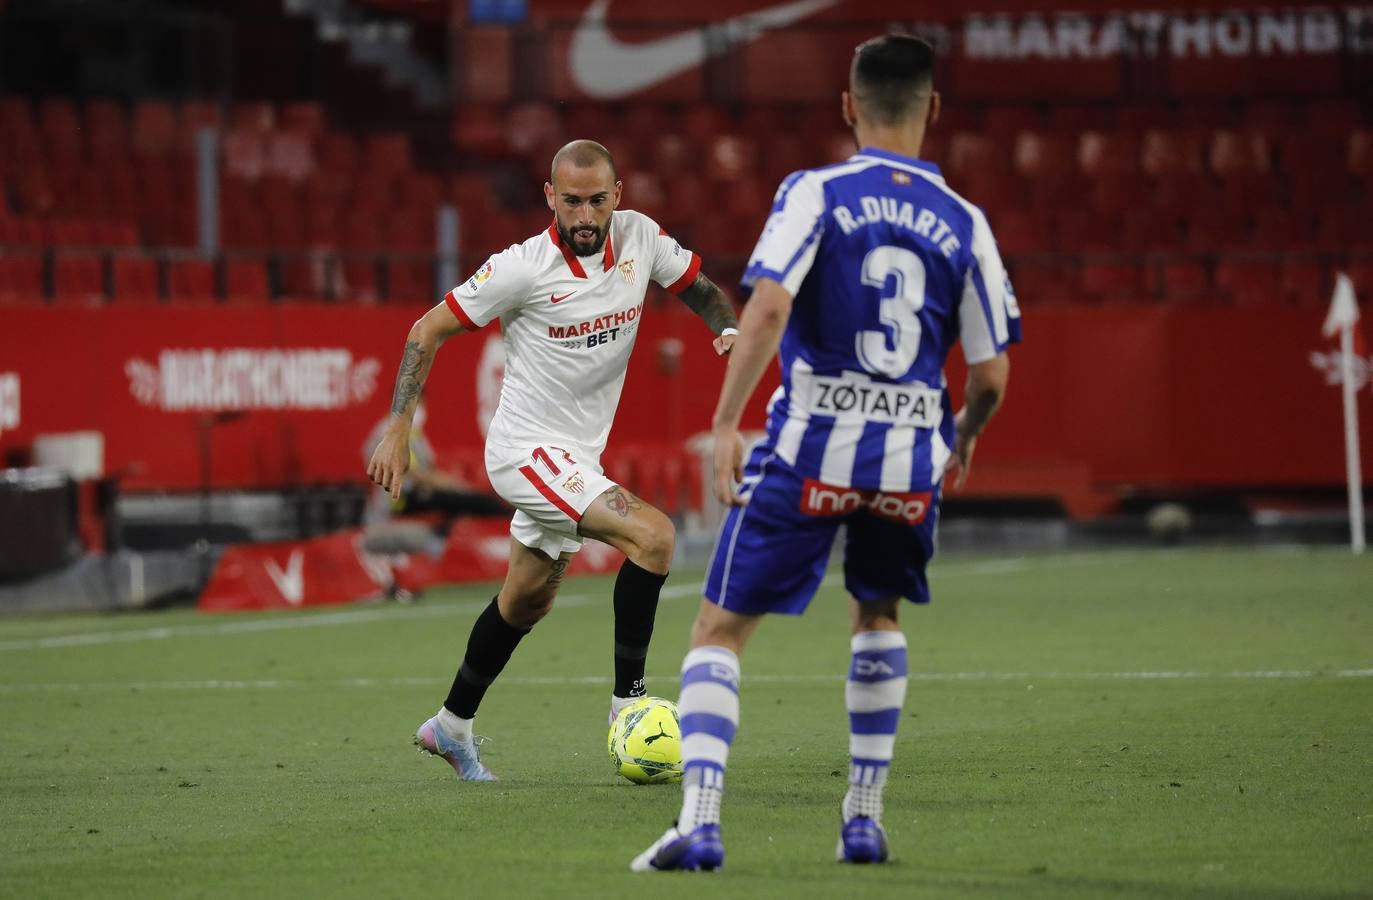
column 583, row 192
column 584, row 155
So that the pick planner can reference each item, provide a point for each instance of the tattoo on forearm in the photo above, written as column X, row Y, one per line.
column 706, row 299
column 408, row 382
column 621, row 501
column 559, row 570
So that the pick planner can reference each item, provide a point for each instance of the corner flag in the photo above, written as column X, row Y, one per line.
column 1342, row 320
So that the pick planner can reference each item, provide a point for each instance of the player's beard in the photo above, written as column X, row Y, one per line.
column 583, row 247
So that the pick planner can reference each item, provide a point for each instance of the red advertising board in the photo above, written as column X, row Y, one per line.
column 1127, row 395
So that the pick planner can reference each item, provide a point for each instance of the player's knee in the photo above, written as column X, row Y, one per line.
column 526, row 608
column 656, row 543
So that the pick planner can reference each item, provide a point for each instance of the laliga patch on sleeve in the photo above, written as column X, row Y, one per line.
column 481, row 276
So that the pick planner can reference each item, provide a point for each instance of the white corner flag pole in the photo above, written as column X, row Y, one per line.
column 1344, row 313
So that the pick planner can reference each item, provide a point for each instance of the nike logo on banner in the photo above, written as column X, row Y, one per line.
column 604, row 67
column 554, row 298
column 290, row 582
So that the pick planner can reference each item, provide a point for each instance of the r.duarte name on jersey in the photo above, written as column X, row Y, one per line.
column 902, row 214
column 592, row 327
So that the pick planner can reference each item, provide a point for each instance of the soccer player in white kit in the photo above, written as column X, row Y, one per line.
column 866, row 274
column 569, row 300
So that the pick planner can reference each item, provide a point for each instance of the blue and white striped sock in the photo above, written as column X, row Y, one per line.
column 709, row 707
column 875, row 691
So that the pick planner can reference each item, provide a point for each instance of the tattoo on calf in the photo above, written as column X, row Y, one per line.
column 408, row 379
column 621, row 501
column 559, row 570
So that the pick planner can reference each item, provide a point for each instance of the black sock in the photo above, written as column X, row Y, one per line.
column 489, row 647
column 636, row 603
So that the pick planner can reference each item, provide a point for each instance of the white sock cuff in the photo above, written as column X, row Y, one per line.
column 867, row 641
column 711, row 654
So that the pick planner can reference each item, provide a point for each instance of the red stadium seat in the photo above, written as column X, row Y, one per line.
column 411, row 231
column 338, row 154
column 253, row 116
column 1113, row 281
column 21, row 279
column 307, row 276
column 1040, row 282
column 304, row 117
column 1105, row 153
column 730, row 157
column 532, row 124
column 135, row 279
column 79, row 278
column 359, row 280
column 643, row 191
column 1185, row 281
column 410, row 281
column 976, row 153
column 191, row 281
column 243, row 154
column 1004, row 122
column 1302, row 282
column 1209, row 229
column 154, row 128
column 1332, row 118
column 1248, row 283
column 1147, row 230
column 1283, row 231
column 1272, row 118
column 245, row 281
column 1018, row 232
column 672, row 155
column 702, row 121
column 1069, row 117
column 106, row 130
column 283, row 223
column 116, row 233
column 60, row 126
column 1359, row 152
column 1238, row 153
column 1169, row 152
column 1040, row 153
column 388, row 154
column 288, row 155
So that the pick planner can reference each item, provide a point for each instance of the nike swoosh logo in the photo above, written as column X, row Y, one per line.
column 605, row 68
column 554, row 298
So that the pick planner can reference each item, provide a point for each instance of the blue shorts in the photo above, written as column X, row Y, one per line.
column 772, row 554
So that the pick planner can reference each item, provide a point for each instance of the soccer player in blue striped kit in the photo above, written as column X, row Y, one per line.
column 866, row 273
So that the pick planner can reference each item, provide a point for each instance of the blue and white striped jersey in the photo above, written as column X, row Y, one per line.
column 888, row 267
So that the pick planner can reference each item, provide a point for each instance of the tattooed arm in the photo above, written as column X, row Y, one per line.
column 391, row 459
column 710, row 303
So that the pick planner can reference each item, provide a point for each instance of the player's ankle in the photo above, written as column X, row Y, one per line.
column 454, row 726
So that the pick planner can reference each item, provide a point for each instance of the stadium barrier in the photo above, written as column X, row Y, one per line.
column 1106, row 398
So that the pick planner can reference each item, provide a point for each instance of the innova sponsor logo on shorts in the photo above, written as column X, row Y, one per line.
column 823, row 500
column 246, row 379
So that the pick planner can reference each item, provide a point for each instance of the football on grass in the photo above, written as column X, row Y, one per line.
column 646, row 741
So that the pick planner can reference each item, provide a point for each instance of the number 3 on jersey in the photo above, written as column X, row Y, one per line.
column 899, row 311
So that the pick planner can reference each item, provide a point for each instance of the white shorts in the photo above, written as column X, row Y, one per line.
column 550, row 488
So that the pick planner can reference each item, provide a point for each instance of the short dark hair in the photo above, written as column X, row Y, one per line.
column 583, row 154
column 891, row 77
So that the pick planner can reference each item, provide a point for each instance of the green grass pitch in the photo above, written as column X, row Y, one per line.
column 1126, row 724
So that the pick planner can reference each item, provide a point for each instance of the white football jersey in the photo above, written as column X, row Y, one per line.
column 569, row 325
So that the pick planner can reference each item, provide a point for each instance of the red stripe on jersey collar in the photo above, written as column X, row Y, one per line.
column 573, row 262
